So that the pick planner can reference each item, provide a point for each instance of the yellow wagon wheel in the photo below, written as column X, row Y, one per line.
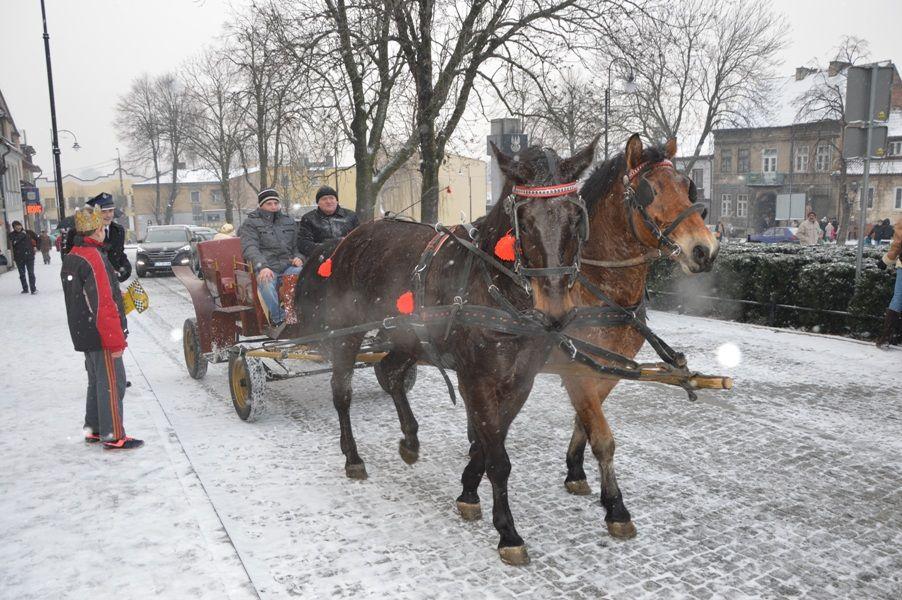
column 194, row 358
column 247, row 382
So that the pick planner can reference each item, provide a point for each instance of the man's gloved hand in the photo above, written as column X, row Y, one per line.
column 881, row 265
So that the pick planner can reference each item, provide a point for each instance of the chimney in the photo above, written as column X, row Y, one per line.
column 836, row 67
column 802, row 73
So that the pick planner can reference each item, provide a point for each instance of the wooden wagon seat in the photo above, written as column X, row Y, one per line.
column 217, row 260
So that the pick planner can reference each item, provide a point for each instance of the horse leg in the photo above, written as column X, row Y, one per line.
column 576, row 477
column 344, row 354
column 587, row 397
column 394, row 368
column 468, row 502
column 490, row 411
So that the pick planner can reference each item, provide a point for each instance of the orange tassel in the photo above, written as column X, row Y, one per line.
column 405, row 303
column 325, row 269
column 504, row 248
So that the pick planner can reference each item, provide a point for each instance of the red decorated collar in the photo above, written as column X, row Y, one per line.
column 548, row 191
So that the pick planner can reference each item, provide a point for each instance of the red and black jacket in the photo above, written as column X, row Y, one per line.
column 93, row 300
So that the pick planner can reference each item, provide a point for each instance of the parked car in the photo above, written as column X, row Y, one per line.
column 776, row 235
column 163, row 247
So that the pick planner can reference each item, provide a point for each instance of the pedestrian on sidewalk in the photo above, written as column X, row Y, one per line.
column 45, row 244
column 98, row 328
column 893, row 259
column 809, row 231
column 23, row 242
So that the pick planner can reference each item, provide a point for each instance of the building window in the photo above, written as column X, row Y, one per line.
column 726, row 161
column 196, row 213
column 217, row 197
column 743, row 160
column 698, row 177
column 897, row 205
column 895, row 148
column 726, row 205
column 769, row 160
column 823, row 158
column 742, row 205
column 801, row 162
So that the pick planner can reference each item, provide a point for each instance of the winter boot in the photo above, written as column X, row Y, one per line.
column 890, row 320
column 126, row 443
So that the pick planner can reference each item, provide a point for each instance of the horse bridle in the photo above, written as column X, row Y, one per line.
column 639, row 198
column 523, row 194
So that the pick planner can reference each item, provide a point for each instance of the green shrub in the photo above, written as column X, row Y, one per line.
column 817, row 277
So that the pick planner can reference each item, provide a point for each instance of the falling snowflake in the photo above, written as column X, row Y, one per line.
column 729, row 355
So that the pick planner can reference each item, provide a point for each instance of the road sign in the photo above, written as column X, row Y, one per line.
column 509, row 143
column 856, row 139
column 858, row 93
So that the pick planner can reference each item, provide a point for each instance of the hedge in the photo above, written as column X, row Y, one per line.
column 815, row 277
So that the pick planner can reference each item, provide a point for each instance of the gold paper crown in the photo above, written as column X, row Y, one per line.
column 88, row 219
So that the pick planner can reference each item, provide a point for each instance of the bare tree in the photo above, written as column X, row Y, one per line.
column 701, row 65
column 449, row 46
column 137, row 122
column 216, row 124
column 174, row 122
column 354, row 74
column 825, row 101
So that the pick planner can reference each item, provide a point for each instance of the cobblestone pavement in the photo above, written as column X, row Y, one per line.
column 788, row 486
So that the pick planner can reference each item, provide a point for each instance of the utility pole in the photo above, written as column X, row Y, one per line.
column 863, row 208
column 57, row 169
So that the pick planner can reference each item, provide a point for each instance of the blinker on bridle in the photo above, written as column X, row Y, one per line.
column 639, row 199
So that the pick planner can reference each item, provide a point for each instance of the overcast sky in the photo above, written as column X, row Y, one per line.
column 99, row 46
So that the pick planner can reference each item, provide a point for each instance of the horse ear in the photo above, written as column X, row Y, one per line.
column 573, row 167
column 670, row 148
column 514, row 170
column 633, row 152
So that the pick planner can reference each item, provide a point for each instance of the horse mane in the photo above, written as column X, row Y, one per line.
column 608, row 173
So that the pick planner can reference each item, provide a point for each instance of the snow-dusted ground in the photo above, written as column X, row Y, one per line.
column 789, row 485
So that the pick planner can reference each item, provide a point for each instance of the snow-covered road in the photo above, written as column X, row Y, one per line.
column 790, row 485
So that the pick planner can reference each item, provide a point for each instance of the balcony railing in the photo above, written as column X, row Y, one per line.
column 766, row 178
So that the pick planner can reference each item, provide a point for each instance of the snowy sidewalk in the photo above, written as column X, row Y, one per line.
column 78, row 521
column 788, row 486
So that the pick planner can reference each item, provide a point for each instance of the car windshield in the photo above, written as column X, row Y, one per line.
column 167, row 235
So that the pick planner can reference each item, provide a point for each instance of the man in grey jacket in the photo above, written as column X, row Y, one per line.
column 269, row 242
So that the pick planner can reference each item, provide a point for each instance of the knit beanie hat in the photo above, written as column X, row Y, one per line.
column 88, row 220
column 325, row 191
column 267, row 194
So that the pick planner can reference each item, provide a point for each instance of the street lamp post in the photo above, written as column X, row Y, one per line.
column 57, row 169
column 630, row 87
column 76, row 146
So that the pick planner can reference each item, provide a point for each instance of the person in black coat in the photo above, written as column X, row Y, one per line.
column 23, row 242
column 114, row 236
column 328, row 221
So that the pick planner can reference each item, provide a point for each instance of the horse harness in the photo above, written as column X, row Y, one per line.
column 637, row 200
column 509, row 319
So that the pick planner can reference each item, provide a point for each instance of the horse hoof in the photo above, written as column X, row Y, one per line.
column 355, row 471
column 514, row 555
column 407, row 455
column 578, row 488
column 623, row 531
column 469, row 512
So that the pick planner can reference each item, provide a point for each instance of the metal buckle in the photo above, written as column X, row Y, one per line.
column 570, row 348
column 385, row 324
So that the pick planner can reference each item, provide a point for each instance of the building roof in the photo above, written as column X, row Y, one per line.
column 197, row 176
column 887, row 166
column 787, row 90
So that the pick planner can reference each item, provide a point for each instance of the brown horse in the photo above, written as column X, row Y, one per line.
column 376, row 267
column 664, row 222
column 665, row 195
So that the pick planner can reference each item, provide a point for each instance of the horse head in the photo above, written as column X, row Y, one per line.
column 662, row 206
column 546, row 218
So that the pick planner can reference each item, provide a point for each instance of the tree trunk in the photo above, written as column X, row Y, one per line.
column 157, row 207
column 262, row 150
column 429, row 168
column 226, row 194
column 366, row 200
column 846, row 204
column 174, row 189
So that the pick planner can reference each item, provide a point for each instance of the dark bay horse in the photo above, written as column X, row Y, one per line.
column 616, row 259
column 372, row 278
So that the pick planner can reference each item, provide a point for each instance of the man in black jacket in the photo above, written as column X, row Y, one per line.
column 113, row 236
column 269, row 242
column 23, row 242
column 328, row 221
